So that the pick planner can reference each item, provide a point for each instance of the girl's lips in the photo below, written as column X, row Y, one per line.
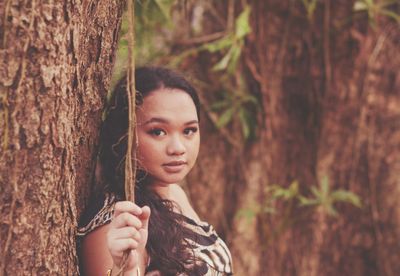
column 175, row 163
column 174, row 167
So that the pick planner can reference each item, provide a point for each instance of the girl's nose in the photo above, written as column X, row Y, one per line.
column 175, row 147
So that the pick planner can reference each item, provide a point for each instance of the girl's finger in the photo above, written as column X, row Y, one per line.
column 119, row 246
column 126, row 232
column 127, row 206
column 145, row 216
column 126, row 219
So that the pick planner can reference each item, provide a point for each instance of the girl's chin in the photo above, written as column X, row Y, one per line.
column 165, row 181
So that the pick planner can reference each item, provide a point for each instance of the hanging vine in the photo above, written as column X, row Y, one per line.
column 130, row 158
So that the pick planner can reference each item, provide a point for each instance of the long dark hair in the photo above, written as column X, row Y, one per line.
column 167, row 247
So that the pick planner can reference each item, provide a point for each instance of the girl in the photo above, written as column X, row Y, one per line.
column 161, row 230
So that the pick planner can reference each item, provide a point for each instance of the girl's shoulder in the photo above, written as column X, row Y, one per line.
column 180, row 197
column 206, row 244
column 98, row 213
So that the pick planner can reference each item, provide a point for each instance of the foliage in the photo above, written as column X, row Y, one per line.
column 152, row 19
column 235, row 102
column 376, row 8
column 322, row 198
column 373, row 8
column 310, row 6
column 232, row 43
column 240, row 104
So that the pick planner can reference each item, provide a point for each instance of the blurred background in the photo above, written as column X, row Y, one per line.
column 299, row 169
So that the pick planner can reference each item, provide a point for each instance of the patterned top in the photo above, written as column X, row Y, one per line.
column 212, row 254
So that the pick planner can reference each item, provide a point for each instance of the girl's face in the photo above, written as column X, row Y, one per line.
column 168, row 135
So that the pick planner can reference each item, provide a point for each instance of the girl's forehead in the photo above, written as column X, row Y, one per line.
column 168, row 103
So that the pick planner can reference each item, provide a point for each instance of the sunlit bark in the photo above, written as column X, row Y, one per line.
column 56, row 61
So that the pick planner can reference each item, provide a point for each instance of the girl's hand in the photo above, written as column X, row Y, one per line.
column 128, row 231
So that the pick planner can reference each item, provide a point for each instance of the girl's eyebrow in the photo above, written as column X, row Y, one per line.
column 165, row 121
column 191, row 122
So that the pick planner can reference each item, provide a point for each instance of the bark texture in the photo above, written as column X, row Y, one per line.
column 56, row 60
column 330, row 90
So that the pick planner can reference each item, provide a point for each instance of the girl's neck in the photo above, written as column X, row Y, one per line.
column 163, row 190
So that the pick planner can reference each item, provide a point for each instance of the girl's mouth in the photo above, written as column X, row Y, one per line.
column 174, row 166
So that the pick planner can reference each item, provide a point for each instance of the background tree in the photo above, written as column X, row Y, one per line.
column 302, row 112
column 329, row 88
column 56, row 59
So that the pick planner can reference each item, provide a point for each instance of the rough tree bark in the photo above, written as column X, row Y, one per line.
column 330, row 90
column 56, row 60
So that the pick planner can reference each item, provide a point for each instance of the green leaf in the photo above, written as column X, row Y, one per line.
column 249, row 213
column 218, row 45
column 178, row 59
column 304, row 201
column 242, row 24
column 370, row 3
column 286, row 193
column 123, row 43
column 223, row 63
column 226, row 117
column 326, row 198
column 316, row 192
column 244, row 120
column 269, row 210
column 389, row 2
column 294, row 188
column 220, row 104
column 391, row 14
column 236, row 51
column 124, row 24
column 331, row 210
column 325, row 186
column 250, row 99
column 165, row 7
column 310, row 6
column 360, row 6
column 346, row 196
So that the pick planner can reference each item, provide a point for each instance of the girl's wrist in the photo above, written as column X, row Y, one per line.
column 143, row 262
column 116, row 270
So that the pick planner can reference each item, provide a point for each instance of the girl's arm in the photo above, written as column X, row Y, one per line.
column 103, row 248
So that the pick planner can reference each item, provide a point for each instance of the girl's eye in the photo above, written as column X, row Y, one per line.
column 190, row 131
column 157, row 132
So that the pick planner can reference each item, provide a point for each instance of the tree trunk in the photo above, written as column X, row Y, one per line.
column 56, row 61
column 329, row 86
